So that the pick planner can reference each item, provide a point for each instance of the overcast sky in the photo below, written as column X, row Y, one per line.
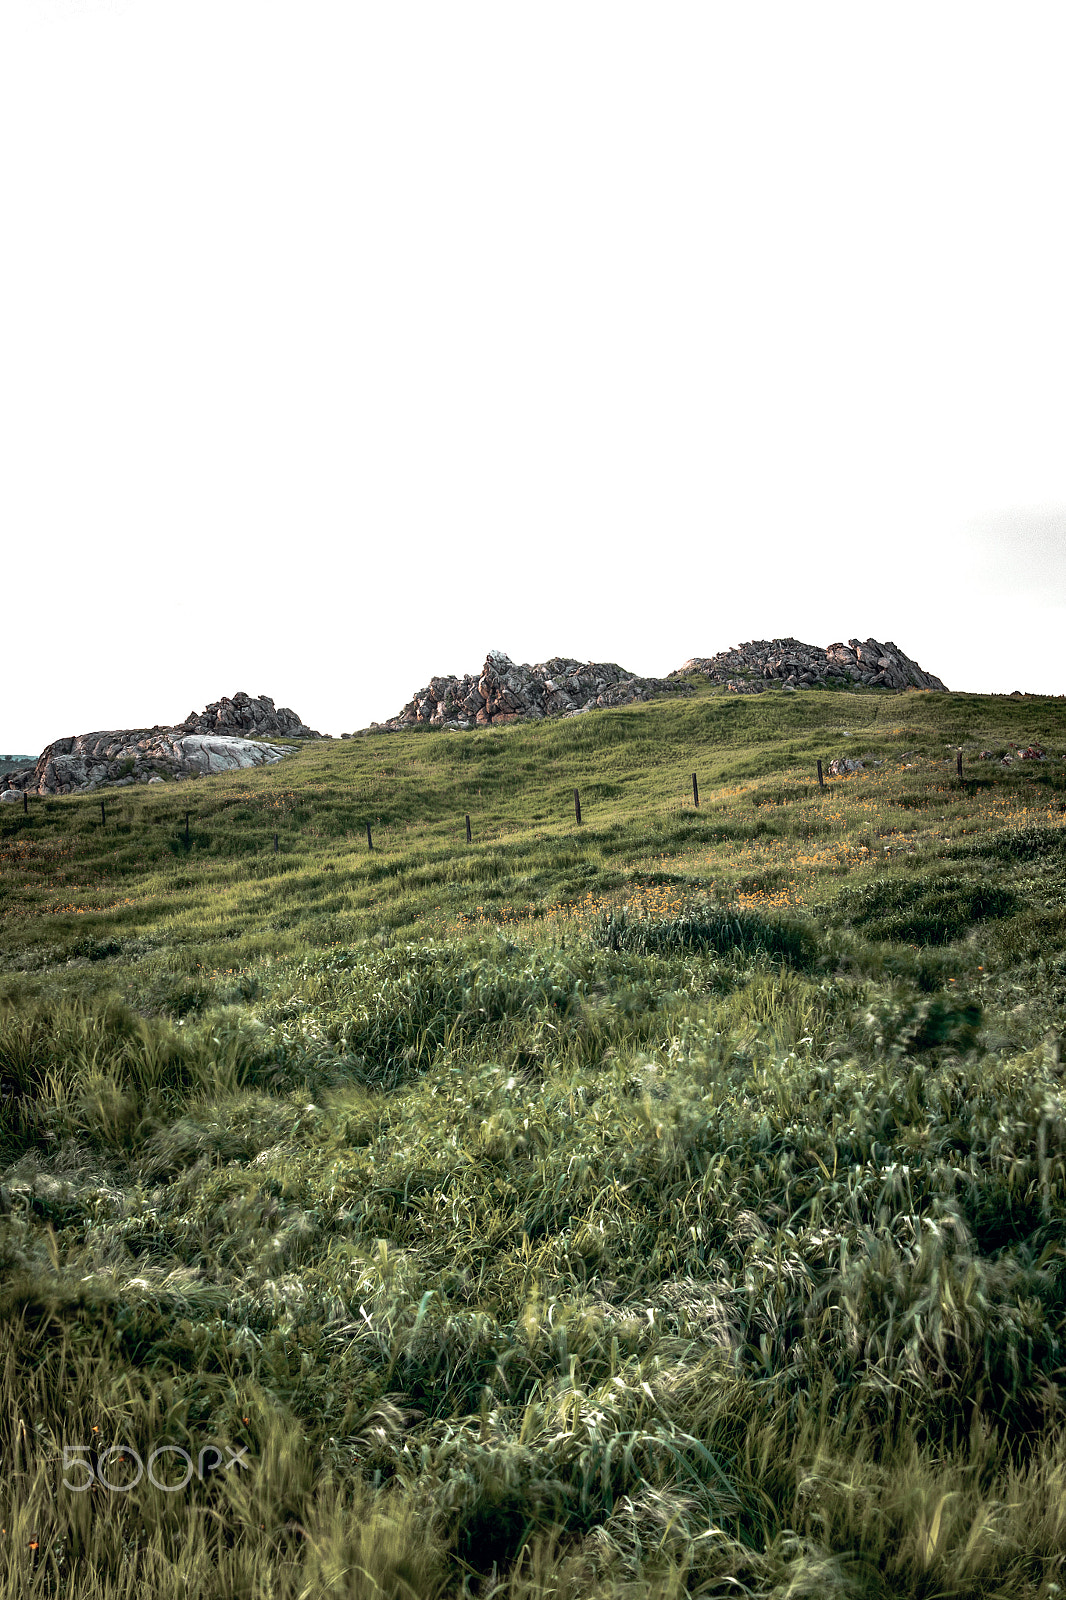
column 344, row 341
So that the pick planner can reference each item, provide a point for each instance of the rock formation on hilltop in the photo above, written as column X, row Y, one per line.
column 216, row 740
column 248, row 716
column 790, row 664
column 138, row 755
column 504, row 692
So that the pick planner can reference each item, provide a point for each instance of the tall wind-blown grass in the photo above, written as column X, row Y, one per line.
column 609, row 1230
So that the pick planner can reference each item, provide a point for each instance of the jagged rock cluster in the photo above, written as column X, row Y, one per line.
column 248, row 716
column 790, row 664
column 213, row 741
column 504, row 692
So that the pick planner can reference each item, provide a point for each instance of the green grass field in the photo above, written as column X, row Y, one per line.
column 670, row 1204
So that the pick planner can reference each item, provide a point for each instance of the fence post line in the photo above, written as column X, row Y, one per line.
column 369, row 840
column 468, row 829
column 695, row 791
column 958, row 763
column 577, row 805
column 25, row 802
column 821, row 780
column 275, row 844
column 103, row 815
column 186, row 827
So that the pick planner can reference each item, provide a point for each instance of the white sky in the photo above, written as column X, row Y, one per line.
column 341, row 342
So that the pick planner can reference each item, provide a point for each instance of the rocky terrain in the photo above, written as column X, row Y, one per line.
column 226, row 735
column 250, row 717
column 790, row 664
column 245, row 730
column 505, row 692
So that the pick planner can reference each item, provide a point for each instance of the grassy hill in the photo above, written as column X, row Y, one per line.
column 670, row 1203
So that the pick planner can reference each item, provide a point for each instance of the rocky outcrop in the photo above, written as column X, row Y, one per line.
column 249, row 717
column 790, row 664
column 12, row 767
column 214, row 741
column 138, row 755
column 504, row 692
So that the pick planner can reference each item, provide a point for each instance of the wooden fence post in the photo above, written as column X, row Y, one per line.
column 577, row 805
column 369, row 840
column 275, row 844
column 103, row 815
column 821, row 780
column 695, row 791
column 468, row 829
column 25, row 802
column 958, row 763
column 186, row 828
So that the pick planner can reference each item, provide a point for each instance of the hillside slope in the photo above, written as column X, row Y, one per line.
column 666, row 1203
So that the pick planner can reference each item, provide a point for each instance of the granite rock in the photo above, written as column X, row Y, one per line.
column 503, row 692
column 228, row 735
column 789, row 664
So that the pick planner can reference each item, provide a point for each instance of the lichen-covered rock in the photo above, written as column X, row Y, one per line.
column 504, row 692
column 788, row 663
column 230, row 734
